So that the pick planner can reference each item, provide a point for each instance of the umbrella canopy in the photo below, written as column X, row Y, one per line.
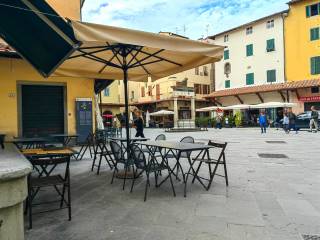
column 238, row 107
column 162, row 113
column 147, row 119
column 273, row 105
column 106, row 49
column 209, row 109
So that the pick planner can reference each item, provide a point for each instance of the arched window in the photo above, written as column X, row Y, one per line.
column 227, row 69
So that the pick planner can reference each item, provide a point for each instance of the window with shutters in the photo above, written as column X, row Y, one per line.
column 250, row 79
column 314, row 34
column 226, row 38
column 196, row 71
column 197, row 88
column 205, row 71
column 313, row 10
column 270, row 24
column 226, row 54
column 149, row 91
column 106, row 92
column 143, row 94
column 227, row 84
column 249, row 30
column 205, row 89
column 271, row 45
column 315, row 65
column 249, row 50
column 271, row 76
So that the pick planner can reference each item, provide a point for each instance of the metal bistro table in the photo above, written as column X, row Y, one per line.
column 123, row 141
column 176, row 149
column 48, row 152
column 65, row 139
column 29, row 143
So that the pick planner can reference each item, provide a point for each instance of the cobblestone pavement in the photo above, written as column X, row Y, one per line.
column 267, row 199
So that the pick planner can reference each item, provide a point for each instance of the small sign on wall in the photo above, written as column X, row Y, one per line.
column 310, row 99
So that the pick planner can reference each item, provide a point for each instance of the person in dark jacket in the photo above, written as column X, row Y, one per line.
column 314, row 119
column 138, row 123
column 292, row 120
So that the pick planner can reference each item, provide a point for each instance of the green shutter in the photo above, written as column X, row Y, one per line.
column 308, row 11
column 250, row 79
column 314, row 34
column 315, row 65
column 249, row 50
column 271, row 76
column 226, row 54
column 227, row 84
column 270, row 45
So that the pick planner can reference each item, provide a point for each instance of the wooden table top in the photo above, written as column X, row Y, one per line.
column 40, row 151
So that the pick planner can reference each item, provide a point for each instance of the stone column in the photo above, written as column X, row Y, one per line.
column 14, row 169
column 176, row 114
column 193, row 111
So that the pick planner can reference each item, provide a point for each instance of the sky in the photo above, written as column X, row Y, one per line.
column 192, row 18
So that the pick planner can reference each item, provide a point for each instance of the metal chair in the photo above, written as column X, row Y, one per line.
column 101, row 151
column 220, row 159
column 85, row 146
column 45, row 167
column 120, row 157
column 152, row 166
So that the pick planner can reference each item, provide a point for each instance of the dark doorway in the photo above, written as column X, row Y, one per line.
column 42, row 109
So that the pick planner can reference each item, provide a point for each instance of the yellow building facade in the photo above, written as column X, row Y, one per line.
column 15, row 72
column 299, row 46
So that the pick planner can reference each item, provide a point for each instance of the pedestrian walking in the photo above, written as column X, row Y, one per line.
column 138, row 123
column 314, row 119
column 286, row 123
column 292, row 120
column 218, row 121
column 263, row 122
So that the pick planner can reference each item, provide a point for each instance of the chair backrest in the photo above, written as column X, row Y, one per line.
column 138, row 156
column 160, row 137
column 220, row 147
column 116, row 151
column 187, row 139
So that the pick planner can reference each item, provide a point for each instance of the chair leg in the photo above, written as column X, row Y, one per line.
column 197, row 171
column 133, row 180
column 94, row 161
column 114, row 172
column 212, row 176
column 174, row 192
column 225, row 172
column 30, row 207
column 69, row 201
column 99, row 165
column 62, row 197
column 125, row 176
column 147, row 185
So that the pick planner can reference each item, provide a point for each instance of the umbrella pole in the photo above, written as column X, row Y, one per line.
column 126, row 103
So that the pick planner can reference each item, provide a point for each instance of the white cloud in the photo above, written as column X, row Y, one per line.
column 171, row 15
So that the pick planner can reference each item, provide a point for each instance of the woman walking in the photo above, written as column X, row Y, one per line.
column 286, row 123
column 138, row 123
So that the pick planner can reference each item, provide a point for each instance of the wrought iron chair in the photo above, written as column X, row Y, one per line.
column 46, row 177
column 120, row 157
column 152, row 166
column 101, row 151
column 85, row 146
column 213, row 164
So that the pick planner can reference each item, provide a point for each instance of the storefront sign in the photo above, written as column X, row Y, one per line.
column 310, row 99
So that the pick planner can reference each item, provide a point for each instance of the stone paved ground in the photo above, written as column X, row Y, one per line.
column 268, row 199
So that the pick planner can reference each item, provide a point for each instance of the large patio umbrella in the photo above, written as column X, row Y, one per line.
column 238, row 107
column 209, row 109
column 162, row 113
column 117, row 53
column 273, row 105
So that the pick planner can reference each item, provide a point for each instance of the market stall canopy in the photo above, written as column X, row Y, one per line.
column 273, row 105
column 37, row 33
column 209, row 109
column 238, row 107
column 162, row 113
column 105, row 48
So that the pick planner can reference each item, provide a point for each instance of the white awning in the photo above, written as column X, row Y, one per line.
column 273, row 105
column 162, row 113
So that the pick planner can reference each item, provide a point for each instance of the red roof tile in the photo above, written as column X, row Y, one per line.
column 266, row 88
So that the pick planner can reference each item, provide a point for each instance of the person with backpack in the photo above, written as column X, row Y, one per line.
column 314, row 119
